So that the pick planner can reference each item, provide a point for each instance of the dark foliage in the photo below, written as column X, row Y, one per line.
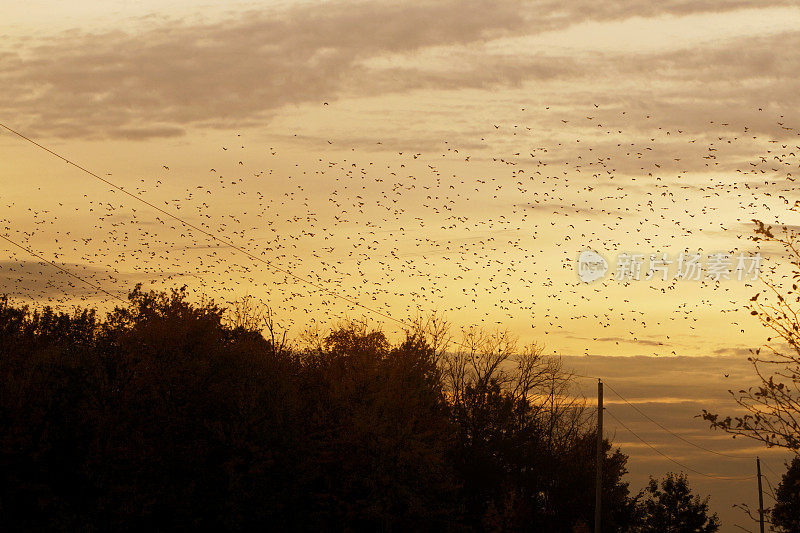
column 670, row 507
column 786, row 511
column 164, row 416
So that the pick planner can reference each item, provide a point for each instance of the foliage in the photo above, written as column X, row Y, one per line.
column 527, row 447
column 670, row 507
column 786, row 511
column 171, row 416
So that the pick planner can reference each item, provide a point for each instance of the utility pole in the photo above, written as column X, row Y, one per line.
column 598, row 490
column 760, row 496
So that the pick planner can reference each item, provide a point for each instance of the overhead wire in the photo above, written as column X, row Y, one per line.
column 224, row 241
column 662, row 426
column 676, row 435
column 64, row 270
column 670, row 458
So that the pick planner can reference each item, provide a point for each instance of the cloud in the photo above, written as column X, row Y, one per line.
column 38, row 280
column 234, row 71
column 240, row 71
column 42, row 282
column 146, row 132
column 734, row 351
column 645, row 342
column 589, row 211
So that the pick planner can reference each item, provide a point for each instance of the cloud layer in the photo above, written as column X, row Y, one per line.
column 175, row 75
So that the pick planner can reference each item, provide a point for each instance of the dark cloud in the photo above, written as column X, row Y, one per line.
column 589, row 211
column 645, row 342
column 44, row 283
column 41, row 281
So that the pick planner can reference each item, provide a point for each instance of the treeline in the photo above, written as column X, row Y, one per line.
column 167, row 416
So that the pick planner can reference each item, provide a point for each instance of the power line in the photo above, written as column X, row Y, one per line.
column 779, row 476
column 211, row 235
column 676, row 435
column 687, row 441
column 207, row 233
column 657, row 423
column 64, row 270
column 704, row 474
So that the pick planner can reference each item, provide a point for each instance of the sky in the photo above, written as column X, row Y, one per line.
column 418, row 156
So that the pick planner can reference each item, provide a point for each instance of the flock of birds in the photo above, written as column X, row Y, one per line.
column 484, row 231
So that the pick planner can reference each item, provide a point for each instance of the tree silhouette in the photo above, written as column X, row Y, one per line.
column 786, row 511
column 526, row 454
column 670, row 507
column 167, row 415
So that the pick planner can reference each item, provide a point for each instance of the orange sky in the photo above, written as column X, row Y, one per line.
column 451, row 156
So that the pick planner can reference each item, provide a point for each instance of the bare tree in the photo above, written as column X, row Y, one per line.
column 482, row 358
column 435, row 329
column 311, row 338
column 252, row 315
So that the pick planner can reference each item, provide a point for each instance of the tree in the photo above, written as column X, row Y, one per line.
column 173, row 416
column 670, row 507
column 772, row 408
column 377, row 436
column 786, row 512
column 168, row 415
column 526, row 456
